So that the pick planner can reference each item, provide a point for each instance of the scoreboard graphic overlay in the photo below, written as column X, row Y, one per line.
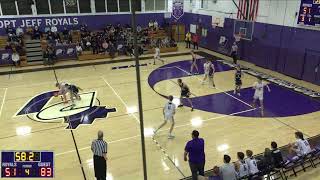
column 27, row 164
column 309, row 13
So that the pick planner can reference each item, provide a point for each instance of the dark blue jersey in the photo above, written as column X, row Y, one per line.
column 238, row 75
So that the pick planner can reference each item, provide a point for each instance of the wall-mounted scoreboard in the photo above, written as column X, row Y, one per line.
column 309, row 13
column 27, row 164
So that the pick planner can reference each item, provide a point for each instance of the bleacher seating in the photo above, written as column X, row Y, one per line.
column 3, row 41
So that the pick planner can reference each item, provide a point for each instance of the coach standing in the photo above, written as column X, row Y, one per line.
column 99, row 149
column 195, row 150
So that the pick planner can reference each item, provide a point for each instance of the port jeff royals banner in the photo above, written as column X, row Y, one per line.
column 177, row 9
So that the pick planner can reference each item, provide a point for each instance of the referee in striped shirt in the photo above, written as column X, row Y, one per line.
column 99, row 149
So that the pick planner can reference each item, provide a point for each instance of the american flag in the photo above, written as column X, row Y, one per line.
column 248, row 9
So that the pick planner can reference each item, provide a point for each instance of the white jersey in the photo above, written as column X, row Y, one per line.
column 243, row 169
column 157, row 52
column 234, row 48
column 208, row 68
column 303, row 147
column 252, row 165
column 63, row 89
column 259, row 87
column 169, row 110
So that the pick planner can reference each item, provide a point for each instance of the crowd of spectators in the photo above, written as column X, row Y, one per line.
column 111, row 40
column 250, row 167
column 119, row 39
column 15, row 43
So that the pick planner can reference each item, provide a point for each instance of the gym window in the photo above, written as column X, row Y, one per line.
column 8, row 7
column 42, row 7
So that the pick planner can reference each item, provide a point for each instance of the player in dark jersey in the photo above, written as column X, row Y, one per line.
column 194, row 63
column 74, row 92
column 238, row 81
column 185, row 92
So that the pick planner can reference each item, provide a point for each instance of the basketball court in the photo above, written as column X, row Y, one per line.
column 227, row 122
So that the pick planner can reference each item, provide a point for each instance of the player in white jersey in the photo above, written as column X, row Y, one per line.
column 251, row 163
column 169, row 111
column 241, row 166
column 258, row 93
column 157, row 55
column 301, row 146
column 63, row 90
column 209, row 71
column 194, row 63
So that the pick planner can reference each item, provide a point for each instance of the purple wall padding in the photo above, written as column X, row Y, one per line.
column 279, row 48
column 312, row 60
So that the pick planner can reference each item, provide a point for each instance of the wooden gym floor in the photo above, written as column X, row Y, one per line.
column 223, row 133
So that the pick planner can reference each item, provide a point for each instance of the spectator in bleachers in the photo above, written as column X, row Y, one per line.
column 139, row 29
column 47, row 29
column 15, row 58
column 11, row 34
column 10, row 31
column 251, row 163
column 241, row 166
column 155, row 25
column 50, row 37
column 301, row 147
column 94, row 45
column 227, row 170
column 54, row 29
column 66, row 34
column 129, row 50
column 105, row 46
column 45, row 55
column 19, row 32
column 51, row 55
column 276, row 155
column 151, row 25
column 215, row 175
column 195, row 150
column 37, row 34
column 112, row 50
column 79, row 49
column 87, row 43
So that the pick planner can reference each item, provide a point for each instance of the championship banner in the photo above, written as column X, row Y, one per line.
column 177, row 9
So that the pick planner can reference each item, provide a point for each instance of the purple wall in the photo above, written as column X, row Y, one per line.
column 94, row 22
column 291, row 51
column 288, row 50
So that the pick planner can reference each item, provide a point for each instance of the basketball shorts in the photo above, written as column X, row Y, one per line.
column 258, row 96
column 238, row 82
column 185, row 94
column 168, row 117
